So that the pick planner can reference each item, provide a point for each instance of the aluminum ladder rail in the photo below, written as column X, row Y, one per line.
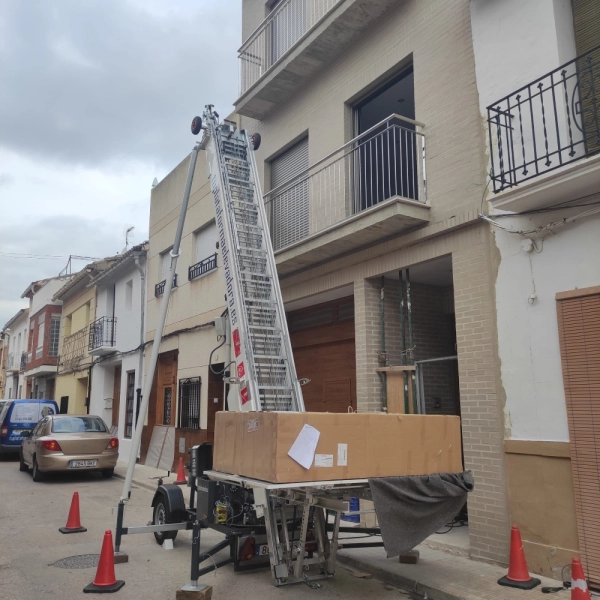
column 262, row 350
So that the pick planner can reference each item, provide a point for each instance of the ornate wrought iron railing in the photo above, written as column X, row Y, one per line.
column 548, row 123
column 74, row 349
column 24, row 360
column 202, row 267
column 103, row 332
column 159, row 288
column 188, row 415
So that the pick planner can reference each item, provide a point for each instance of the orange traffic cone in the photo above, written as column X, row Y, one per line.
column 73, row 520
column 105, row 581
column 518, row 574
column 180, row 473
column 579, row 588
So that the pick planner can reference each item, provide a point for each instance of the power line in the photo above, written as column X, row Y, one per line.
column 44, row 256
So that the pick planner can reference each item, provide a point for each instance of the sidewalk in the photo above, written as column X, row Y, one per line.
column 440, row 574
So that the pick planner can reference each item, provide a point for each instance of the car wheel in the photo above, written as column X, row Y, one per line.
column 37, row 474
column 162, row 516
column 22, row 464
column 108, row 473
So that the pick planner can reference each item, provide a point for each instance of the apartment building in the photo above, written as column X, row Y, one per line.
column 373, row 168
column 44, row 330
column 73, row 378
column 16, row 331
column 186, row 391
column 116, row 341
column 538, row 74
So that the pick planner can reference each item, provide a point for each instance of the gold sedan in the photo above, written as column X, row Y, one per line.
column 69, row 443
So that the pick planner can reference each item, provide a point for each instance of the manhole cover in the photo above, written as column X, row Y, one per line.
column 83, row 561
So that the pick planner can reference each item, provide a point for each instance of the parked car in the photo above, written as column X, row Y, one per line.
column 18, row 416
column 69, row 443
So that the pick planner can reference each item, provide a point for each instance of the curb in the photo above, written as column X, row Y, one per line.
column 137, row 482
column 395, row 579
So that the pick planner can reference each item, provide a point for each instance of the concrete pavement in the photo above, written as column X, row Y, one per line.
column 30, row 544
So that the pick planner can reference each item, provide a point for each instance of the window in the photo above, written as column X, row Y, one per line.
column 189, row 403
column 54, row 335
column 78, row 425
column 129, row 295
column 289, row 208
column 40, row 340
column 205, row 247
column 20, row 391
column 129, row 403
column 165, row 263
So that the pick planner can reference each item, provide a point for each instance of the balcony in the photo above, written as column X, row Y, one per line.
column 297, row 39
column 74, row 350
column 370, row 189
column 11, row 363
column 547, row 135
column 25, row 358
column 103, row 336
column 202, row 267
column 159, row 288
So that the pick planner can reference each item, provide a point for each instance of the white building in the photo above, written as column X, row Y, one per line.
column 536, row 65
column 116, row 341
column 17, row 330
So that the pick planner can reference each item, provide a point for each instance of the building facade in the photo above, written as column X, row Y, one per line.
column 73, row 379
column 16, row 332
column 44, row 331
column 186, row 392
column 373, row 166
column 116, row 342
column 538, row 68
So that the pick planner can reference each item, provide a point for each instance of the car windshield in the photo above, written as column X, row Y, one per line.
column 78, row 425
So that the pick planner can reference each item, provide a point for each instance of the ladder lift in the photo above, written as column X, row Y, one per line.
column 293, row 528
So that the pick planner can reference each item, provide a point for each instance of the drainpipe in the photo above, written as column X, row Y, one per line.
column 142, row 313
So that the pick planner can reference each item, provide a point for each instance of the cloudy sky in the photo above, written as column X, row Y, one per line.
column 96, row 99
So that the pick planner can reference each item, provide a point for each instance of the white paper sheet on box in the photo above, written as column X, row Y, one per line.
column 303, row 449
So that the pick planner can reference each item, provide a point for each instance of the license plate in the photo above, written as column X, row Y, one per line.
column 262, row 550
column 83, row 463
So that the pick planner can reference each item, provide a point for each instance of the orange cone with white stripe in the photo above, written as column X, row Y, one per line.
column 579, row 588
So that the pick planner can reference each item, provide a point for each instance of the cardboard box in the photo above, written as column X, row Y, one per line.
column 350, row 446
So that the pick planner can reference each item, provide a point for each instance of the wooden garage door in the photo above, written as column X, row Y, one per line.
column 324, row 351
column 579, row 333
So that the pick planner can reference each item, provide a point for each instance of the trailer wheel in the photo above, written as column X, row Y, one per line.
column 255, row 139
column 162, row 516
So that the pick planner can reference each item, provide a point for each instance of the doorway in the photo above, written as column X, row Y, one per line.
column 385, row 159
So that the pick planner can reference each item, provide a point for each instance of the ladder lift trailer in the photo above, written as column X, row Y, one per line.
column 293, row 528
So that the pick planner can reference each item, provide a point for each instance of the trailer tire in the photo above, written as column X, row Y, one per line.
column 161, row 515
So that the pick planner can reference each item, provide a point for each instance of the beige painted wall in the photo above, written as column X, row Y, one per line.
column 194, row 302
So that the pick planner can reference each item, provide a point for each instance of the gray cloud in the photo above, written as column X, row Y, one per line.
column 58, row 236
column 96, row 82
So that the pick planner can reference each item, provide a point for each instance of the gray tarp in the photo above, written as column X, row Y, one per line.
column 409, row 509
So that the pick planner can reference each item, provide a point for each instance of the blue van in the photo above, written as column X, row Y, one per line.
column 19, row 415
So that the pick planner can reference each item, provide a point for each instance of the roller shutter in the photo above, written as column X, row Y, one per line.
column 579, row 334
column 289, row 208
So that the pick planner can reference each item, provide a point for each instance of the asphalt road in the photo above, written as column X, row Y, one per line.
column 30, row 544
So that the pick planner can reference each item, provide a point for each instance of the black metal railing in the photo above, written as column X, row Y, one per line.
column 548, row 123
column 202, row 267
column 189, row 403
column 24, row 361
column 159, row 288
column 103, row 332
